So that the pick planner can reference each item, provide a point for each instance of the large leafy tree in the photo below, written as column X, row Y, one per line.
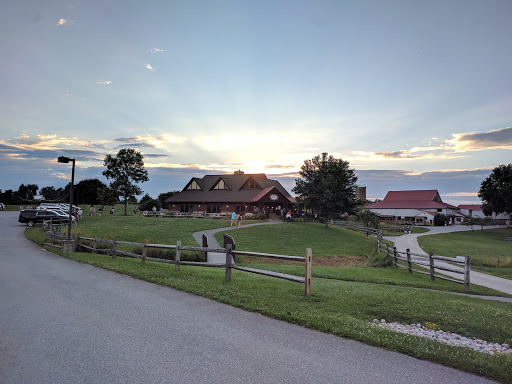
column 327, row 185
column 126, row 170
column 164, row 196
column 87, row 191
column 28, row 191
column 496, row 191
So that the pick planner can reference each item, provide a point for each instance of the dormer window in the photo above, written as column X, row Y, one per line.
column 220, row 185
column 193, row 186
column 250, row 184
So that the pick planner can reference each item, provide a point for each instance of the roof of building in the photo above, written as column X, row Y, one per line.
column 234, row 192
column 420, row 199
column 472, row 207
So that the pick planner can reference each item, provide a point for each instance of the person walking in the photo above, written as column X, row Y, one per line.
column 79, row 214
column 233, row 219
column 239, row 220
column 367, row 232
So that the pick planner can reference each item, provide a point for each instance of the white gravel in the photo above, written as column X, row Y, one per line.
column 445, row 337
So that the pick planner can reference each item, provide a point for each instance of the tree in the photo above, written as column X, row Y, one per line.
column 49, row 193
column 126, row 169
column 27, row 192
column 439, row 219
column 147, row 203
column 496, row 191
column 327, row 185
column 369, row 218
column 107, row 196
column 87, row 191
column 164, row 196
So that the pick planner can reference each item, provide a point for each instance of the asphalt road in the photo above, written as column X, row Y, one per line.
column 66, row 322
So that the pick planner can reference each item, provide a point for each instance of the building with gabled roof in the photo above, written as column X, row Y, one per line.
column 417, row 207
column 214, row 195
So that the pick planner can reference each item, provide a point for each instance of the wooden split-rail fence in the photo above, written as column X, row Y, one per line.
column 228, row 250
column 429, row 263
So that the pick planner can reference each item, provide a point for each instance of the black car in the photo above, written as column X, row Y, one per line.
column 34, row 216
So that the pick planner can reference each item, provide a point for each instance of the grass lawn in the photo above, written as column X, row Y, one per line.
column 345, row 309
column 488, row 249
column 156, row 230
column 344, row 300
column 293, row 239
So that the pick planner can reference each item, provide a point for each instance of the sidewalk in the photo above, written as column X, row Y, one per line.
column 411, row 242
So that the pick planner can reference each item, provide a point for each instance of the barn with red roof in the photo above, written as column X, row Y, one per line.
column 417, row 207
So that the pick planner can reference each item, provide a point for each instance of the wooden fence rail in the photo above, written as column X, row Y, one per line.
column 228, row 250
column 428, row 261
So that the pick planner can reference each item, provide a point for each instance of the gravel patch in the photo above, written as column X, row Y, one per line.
column 431, row 332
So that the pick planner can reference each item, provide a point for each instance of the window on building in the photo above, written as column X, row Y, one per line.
column 250, row 184
column 439, row 210
column 193, row 185
column 221, row 185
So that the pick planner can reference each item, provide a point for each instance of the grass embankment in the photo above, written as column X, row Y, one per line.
column 488, row 249
column 336, row 306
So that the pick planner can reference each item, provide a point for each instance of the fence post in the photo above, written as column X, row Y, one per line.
column 378, row 241
column 178, row 256
column 94, row 246
column 144, row 252
column 78, row 242
column 431, row 264
column 467, row 268
column 307, row 277
column 205, row 245
column 114, row 247
column 395, row 257
column 229, row 248
column 409, row 264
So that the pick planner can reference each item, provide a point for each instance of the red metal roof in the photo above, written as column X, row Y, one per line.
column 417, row 195
column 473, row 207
column 420, row 204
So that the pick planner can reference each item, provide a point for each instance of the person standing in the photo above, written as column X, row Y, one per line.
column 233, row 219
column 239, row 220
column 154, row 210
column 112, row 211
column 79, row 214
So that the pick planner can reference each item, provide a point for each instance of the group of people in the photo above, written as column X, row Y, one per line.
column 236, row 218
column 92, row 211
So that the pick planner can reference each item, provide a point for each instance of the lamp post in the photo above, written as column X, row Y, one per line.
column 63, row 159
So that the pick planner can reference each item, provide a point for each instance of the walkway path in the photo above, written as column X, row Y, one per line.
column 411, row 242
column 215, row 257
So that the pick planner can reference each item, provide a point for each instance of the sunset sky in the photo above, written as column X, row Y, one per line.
column 414, row 94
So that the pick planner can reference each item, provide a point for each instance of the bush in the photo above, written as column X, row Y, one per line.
column 170, row 254
column 439, row 219
column 149, row 204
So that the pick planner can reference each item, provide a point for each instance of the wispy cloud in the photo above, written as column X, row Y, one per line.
column 499, row 138
column 62, row 22
column 157, row 50
column 104, row 82
column 149, row 67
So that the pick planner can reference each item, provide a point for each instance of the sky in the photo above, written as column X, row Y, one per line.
column 414, row 94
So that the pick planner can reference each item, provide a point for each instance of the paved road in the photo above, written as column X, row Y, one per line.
column 411, row 241
column 66, row 322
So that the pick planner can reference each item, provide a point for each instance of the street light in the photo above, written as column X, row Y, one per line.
column 63, row 159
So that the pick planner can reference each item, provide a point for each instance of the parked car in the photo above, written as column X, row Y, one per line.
column 34, row 216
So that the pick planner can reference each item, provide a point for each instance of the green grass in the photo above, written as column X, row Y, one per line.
column 488, row 249
column 343, row 301
column 293, row 239
column 345, row 309
column 139, row 228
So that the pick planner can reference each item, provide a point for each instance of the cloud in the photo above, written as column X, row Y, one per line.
column 400, row 155
column 149, row 67
column 104, row 82
column 62, row 22
column 136, row 145
column 126, row 139
column 497, row 139
column 157, row 50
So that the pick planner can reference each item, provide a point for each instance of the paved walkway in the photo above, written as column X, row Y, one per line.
column 220, row 258
column 411, row 242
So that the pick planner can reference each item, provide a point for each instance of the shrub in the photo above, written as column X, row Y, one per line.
column 439, row 219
